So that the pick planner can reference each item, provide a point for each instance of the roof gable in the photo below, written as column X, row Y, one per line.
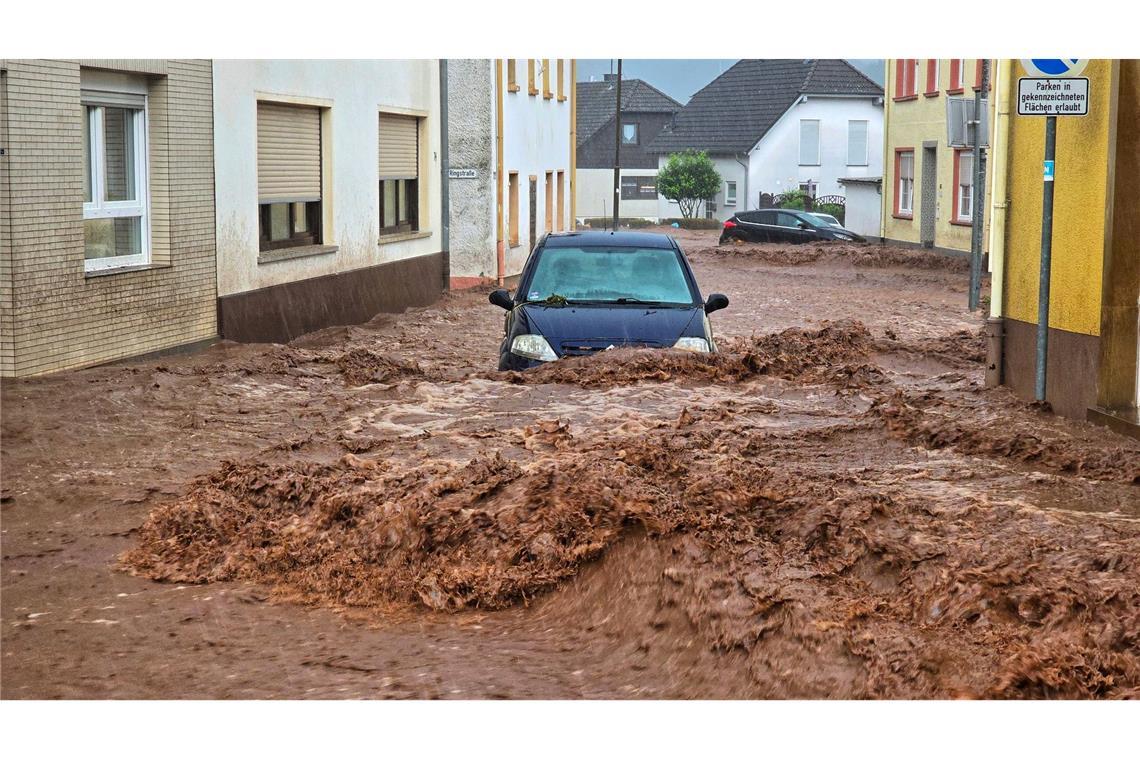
column 596, row 102
column 734, row 111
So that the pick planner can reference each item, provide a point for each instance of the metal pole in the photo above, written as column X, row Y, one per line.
column 979, row 193
column 1046, row 258
column 617, row 149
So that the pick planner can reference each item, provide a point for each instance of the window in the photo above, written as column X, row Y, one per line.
column 904, row 183
column 784, row 219
column 931, row 77
column 809, row 187
column 857, row 143
column 561, row 79
column 513, row 206
column 906, row 78
column 561, row 200
column 629, row 134
column 546, row 91
column 550, row 201
column 730, row 193
column 635, row 188
column 530, row 85
column 809, row 142
column 512, row 75
column 288, row 175
column 963, row 186
column 957, row 66
column 116, row 228
column 399, row 171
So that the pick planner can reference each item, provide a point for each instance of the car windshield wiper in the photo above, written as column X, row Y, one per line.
column 639, row 301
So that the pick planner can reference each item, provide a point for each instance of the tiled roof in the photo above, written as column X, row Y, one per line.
column 596, row 102
column 736, row 109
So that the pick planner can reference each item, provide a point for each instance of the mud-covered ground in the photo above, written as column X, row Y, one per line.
column 833, row 506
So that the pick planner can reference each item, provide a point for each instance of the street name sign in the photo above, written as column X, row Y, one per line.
column 463, row 174
column 1052, row 96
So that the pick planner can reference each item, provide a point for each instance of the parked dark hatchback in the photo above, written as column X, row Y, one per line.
column 584, row 292
column 783, row 226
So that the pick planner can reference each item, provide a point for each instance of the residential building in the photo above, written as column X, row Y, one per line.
column 645, row 111
column 511, row 153
column 774, row 126
column 1094, row 297
column 106, row 211
column 328, row 192
column 927, row 181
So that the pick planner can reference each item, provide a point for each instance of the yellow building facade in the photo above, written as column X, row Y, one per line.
column 927, row 183
column 1092, row 368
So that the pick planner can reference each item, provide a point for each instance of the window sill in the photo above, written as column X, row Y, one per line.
column 901, row 98
column 90, row 274
column 532, row 92
column 931, row 94
column 955, row 91
column 960, row 223
column 905, row 217
column 513, row 88
column 300, row 252
column 399, row 237
column 561, row 98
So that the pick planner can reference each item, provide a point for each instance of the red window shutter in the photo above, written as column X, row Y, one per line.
column 931, row 75
column 900, row 78
column 955, row 73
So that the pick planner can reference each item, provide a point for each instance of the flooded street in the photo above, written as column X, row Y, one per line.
column 832, row 506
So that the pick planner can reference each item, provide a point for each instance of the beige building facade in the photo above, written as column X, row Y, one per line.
column 106, row 211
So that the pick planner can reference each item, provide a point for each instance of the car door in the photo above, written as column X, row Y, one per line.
column 749, row 227
column 790, row 229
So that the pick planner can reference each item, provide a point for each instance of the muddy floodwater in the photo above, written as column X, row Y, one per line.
column 831, row 507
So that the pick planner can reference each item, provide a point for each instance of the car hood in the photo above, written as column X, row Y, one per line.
column 575, row 329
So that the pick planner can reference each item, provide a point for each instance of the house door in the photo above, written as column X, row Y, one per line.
column 929, row 208
column 533, row 211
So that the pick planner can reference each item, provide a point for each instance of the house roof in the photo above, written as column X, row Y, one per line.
column 596, row 101
column 736, row 109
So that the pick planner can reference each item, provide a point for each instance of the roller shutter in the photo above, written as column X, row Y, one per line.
column 288, row 153
column 399, row 146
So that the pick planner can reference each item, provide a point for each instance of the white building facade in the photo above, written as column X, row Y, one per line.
column 328, row 192
column 510, row 153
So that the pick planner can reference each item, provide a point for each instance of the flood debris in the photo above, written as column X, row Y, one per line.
column 868, row 255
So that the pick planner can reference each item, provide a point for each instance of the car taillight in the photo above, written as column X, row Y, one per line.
column 729, row 224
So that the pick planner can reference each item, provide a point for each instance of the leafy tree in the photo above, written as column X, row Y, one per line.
column 688, row 178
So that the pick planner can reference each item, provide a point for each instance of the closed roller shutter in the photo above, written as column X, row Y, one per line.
column 399, row 146
column 288, row 153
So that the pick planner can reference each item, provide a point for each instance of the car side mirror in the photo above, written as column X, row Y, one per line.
column 802, row 225
column 502, row 299
column 716, row 302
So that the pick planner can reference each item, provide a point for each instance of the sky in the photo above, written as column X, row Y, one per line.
column 681, row 78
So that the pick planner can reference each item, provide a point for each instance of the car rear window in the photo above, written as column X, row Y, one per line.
column 610, row 274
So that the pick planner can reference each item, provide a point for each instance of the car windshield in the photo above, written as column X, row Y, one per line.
column 828, row 220
column 814, row 220
column 611, row 275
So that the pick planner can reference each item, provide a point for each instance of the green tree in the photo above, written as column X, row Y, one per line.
column 689, row 179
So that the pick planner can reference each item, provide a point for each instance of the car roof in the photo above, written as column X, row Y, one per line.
column 599, row 237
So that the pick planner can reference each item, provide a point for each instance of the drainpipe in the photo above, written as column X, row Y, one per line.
column 500, row 243
column 745, row 165
column 444, row 181
column 999, row 208
column 574, row 143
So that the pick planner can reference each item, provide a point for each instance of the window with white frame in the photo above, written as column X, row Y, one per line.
column 904, row 191
column 857, row 142
column 730, row 193
column 964, row 203
column 810, row 187
column 116, row 227
column 809, row 142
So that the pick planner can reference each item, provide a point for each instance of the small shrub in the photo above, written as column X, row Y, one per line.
column 601, row 222
column 695, row 224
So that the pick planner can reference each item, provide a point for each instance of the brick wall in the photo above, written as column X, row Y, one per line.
column 59, row 316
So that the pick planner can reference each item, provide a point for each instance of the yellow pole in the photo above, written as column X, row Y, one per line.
column 999, row 193
column 573, row 143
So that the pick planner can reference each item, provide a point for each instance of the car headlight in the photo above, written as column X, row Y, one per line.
column 533, row 347
column 841, row 236
column 693, row 344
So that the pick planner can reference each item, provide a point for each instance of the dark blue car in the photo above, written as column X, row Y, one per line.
column 584, row 292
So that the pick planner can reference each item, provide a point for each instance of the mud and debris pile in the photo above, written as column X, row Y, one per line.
column 787, row 354
column 866, row 255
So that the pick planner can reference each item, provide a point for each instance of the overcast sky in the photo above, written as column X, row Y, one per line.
column 681, row 78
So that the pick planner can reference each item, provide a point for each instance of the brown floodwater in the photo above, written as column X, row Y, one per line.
column 832, row 507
